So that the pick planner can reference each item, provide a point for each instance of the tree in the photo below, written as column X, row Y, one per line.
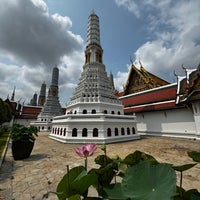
column 5, row 112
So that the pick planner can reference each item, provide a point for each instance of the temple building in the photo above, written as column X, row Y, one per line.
column 164, row 109
column 51, row 106
column 94, row 113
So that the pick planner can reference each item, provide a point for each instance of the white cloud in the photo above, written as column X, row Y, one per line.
column 41, row 4
column 29, row 35
column 73, row 65
column 174, row 31
column 27, row 81
column 65, row 22
column 120, row 79
column 31, row 42
column 130, row 5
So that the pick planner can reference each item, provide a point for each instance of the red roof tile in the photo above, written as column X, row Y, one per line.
column 165, row 93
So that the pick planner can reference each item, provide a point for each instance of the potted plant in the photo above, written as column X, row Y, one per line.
column 23, row 139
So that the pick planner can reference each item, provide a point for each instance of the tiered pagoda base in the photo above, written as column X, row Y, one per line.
column 94, row 128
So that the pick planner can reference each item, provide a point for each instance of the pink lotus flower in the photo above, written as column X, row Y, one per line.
column 86, row 150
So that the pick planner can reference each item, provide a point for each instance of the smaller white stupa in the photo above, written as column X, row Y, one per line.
column 94, row 114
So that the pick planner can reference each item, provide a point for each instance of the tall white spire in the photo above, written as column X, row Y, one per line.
column 42, row 96
column 55, row 76
column 93, row 52
column 13, row 95
column 94, row 114
column 94, row 84
column 52, row 105
column 93, row 33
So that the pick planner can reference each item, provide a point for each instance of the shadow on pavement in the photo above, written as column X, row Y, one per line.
column 36, row 157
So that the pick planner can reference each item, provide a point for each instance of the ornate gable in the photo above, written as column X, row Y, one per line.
column 188, row 88
column 140, row 80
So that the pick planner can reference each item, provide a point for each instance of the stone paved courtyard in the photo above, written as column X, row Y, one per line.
column 33, row 178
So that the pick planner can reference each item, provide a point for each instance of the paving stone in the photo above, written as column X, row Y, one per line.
column 35, row 177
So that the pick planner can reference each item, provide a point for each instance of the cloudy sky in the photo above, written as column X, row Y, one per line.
column 35, row 35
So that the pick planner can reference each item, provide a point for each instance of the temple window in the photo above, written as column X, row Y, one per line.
column 109, row 132
column 133, row 130
column 128, row 131
column 64, row 132
column 43, row 128
column 58, row 131
column 87, row 57
column 119, row 113
column 93, row 111
column 116, row 132
column 100, row 58
column 75, row 112
column 84, row 111
column 113, row 112
column 74, row 132
column 105, row 111
column 84, row 132
column 95, row 132
column 122, row 131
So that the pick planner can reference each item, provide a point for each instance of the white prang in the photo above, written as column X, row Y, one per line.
column 94, row 114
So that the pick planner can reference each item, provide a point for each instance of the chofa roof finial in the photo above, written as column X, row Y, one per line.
column 131, row 60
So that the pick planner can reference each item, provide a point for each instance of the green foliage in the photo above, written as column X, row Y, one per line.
column 195, row 196
column 3, row 129
column 22, row 133
column 194, row 155
column 145, row 181
column 192, row 194
column 104, row 175
column 141, row 177
column 75, row 184
column 5, row 112
column 138, row 156
column 181, row 168
column 103, row 160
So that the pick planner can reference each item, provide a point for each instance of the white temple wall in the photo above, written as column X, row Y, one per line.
column 64, row 130
column 175, row 122
column 196, row 110
column 102, row 128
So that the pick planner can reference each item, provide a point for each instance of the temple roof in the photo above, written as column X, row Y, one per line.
column 150, row 100
column 140, row 80
column 170, row 96
column 188, row 88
